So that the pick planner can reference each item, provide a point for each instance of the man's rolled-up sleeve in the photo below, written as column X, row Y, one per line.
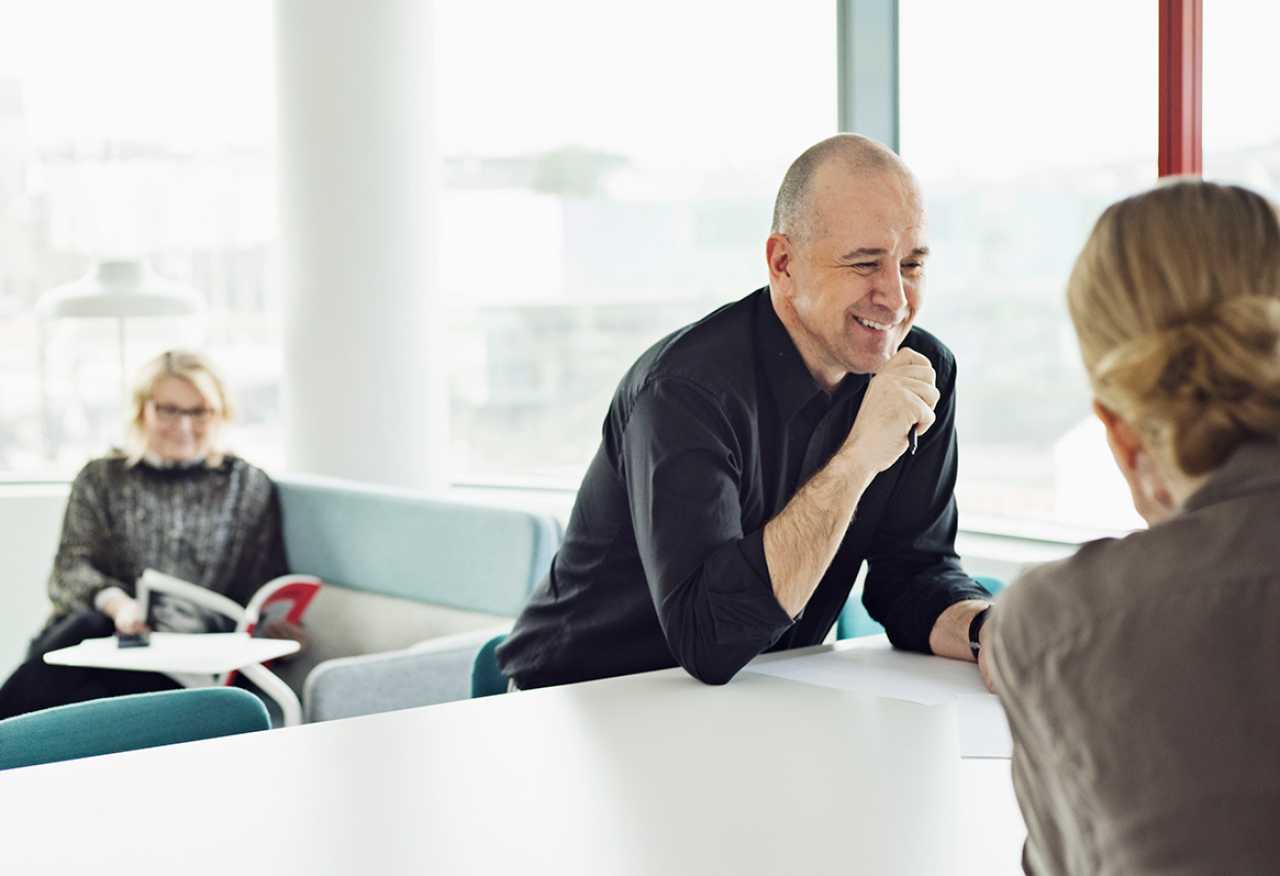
column 682, row 465
column 913, row 571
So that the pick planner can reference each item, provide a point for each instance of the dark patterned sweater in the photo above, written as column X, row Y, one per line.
column 216, row 527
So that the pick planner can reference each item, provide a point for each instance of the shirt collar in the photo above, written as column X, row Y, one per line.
column 1253, row 468
column 158, row 462
column 792, row 385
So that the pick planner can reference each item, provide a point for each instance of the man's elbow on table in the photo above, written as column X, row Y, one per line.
column 711, row 675
column 710, row 662
column 712, row 632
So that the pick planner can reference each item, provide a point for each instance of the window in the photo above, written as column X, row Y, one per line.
column 605, row 180
column 135, row 129
column 608, row 177
column 1023, row 121
column 1241, row 120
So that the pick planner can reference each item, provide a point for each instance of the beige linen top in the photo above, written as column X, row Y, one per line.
column 1141, row 678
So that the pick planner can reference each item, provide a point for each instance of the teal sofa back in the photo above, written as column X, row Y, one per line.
column 854, row 621
column 412, row 546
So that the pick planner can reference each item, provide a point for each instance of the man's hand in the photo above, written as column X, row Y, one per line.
column 127, row 614
column 950, row 635
column 900, row 397
column 984, row 642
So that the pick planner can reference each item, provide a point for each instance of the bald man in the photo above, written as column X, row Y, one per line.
column 752, row 461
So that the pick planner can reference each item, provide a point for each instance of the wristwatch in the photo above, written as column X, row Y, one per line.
column 975, row 631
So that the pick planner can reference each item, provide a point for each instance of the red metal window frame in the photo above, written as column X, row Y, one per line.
column 1181, row 75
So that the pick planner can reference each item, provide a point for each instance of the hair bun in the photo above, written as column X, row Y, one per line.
column 1218, row 381
column 1176, row 303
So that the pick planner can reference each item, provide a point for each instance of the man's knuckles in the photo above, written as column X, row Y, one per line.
column 907, row 355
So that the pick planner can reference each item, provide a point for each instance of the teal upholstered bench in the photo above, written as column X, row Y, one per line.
column 854, row 621
column 415, row 584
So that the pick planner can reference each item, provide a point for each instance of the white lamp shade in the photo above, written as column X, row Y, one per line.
column 121, row 289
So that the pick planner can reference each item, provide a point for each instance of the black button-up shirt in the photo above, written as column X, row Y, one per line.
column 710, row 434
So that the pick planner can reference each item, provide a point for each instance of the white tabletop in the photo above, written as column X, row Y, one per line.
column 870, row 665
column 649, row 774
column 211, row 653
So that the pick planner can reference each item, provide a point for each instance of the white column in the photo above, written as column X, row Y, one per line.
column 362, row 396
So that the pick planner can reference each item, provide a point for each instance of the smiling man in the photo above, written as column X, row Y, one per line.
column 753, row 461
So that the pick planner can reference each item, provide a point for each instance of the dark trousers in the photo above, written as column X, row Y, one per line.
column 36, row 685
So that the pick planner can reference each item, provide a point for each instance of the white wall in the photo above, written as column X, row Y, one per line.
column 30, row 520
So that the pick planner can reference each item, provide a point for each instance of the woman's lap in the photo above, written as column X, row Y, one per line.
column 37, row 685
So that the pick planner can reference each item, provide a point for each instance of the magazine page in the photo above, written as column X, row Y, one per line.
column 172, row 605
column 285, row 598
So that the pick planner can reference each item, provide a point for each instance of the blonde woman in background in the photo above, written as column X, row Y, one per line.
column 1141, row 676
column 176, row 501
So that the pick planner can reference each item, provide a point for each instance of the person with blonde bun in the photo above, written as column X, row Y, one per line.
column 1140, row 675
column 173, row 500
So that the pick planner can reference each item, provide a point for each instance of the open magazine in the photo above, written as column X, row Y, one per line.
column 173, row 605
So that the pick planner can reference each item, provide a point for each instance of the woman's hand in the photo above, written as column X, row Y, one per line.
column 282, row 629
column 127, row 614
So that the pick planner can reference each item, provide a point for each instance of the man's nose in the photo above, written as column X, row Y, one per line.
column 891, row 293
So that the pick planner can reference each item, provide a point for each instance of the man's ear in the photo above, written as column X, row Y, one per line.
column 778, row 252
column 1124, row 441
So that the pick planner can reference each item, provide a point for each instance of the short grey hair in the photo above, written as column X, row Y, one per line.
column 792, row 213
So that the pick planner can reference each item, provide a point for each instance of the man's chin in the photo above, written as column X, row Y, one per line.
column 866, row 363
column 871, row 361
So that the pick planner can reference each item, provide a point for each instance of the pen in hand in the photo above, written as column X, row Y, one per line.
column 913, row 440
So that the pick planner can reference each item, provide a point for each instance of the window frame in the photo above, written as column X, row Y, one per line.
column 1181, row 87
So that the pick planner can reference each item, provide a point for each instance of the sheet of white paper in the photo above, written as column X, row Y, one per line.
column 905, row 676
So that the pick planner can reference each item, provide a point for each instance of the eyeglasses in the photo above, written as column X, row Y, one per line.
column 173, row 413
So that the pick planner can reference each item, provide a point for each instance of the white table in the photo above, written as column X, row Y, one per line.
column 193, row 654
column 648, row 774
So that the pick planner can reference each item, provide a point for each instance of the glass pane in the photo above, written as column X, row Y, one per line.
column 1241, row 117
column 1023, row 121
column 138, row 129
column 608, row 178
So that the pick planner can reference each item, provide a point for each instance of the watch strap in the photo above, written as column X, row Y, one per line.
column 975, row 631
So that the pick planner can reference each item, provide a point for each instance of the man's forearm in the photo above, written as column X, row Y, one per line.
column 950, row 634
column 801, row 541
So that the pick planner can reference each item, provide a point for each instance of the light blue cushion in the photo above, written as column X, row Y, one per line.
column 412, row 546
column 431, row 672
column 128, row 723
column 854, row 620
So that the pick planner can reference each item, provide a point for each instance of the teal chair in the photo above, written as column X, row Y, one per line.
column 486, row 678
column 854, row 620
column 128, row 723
